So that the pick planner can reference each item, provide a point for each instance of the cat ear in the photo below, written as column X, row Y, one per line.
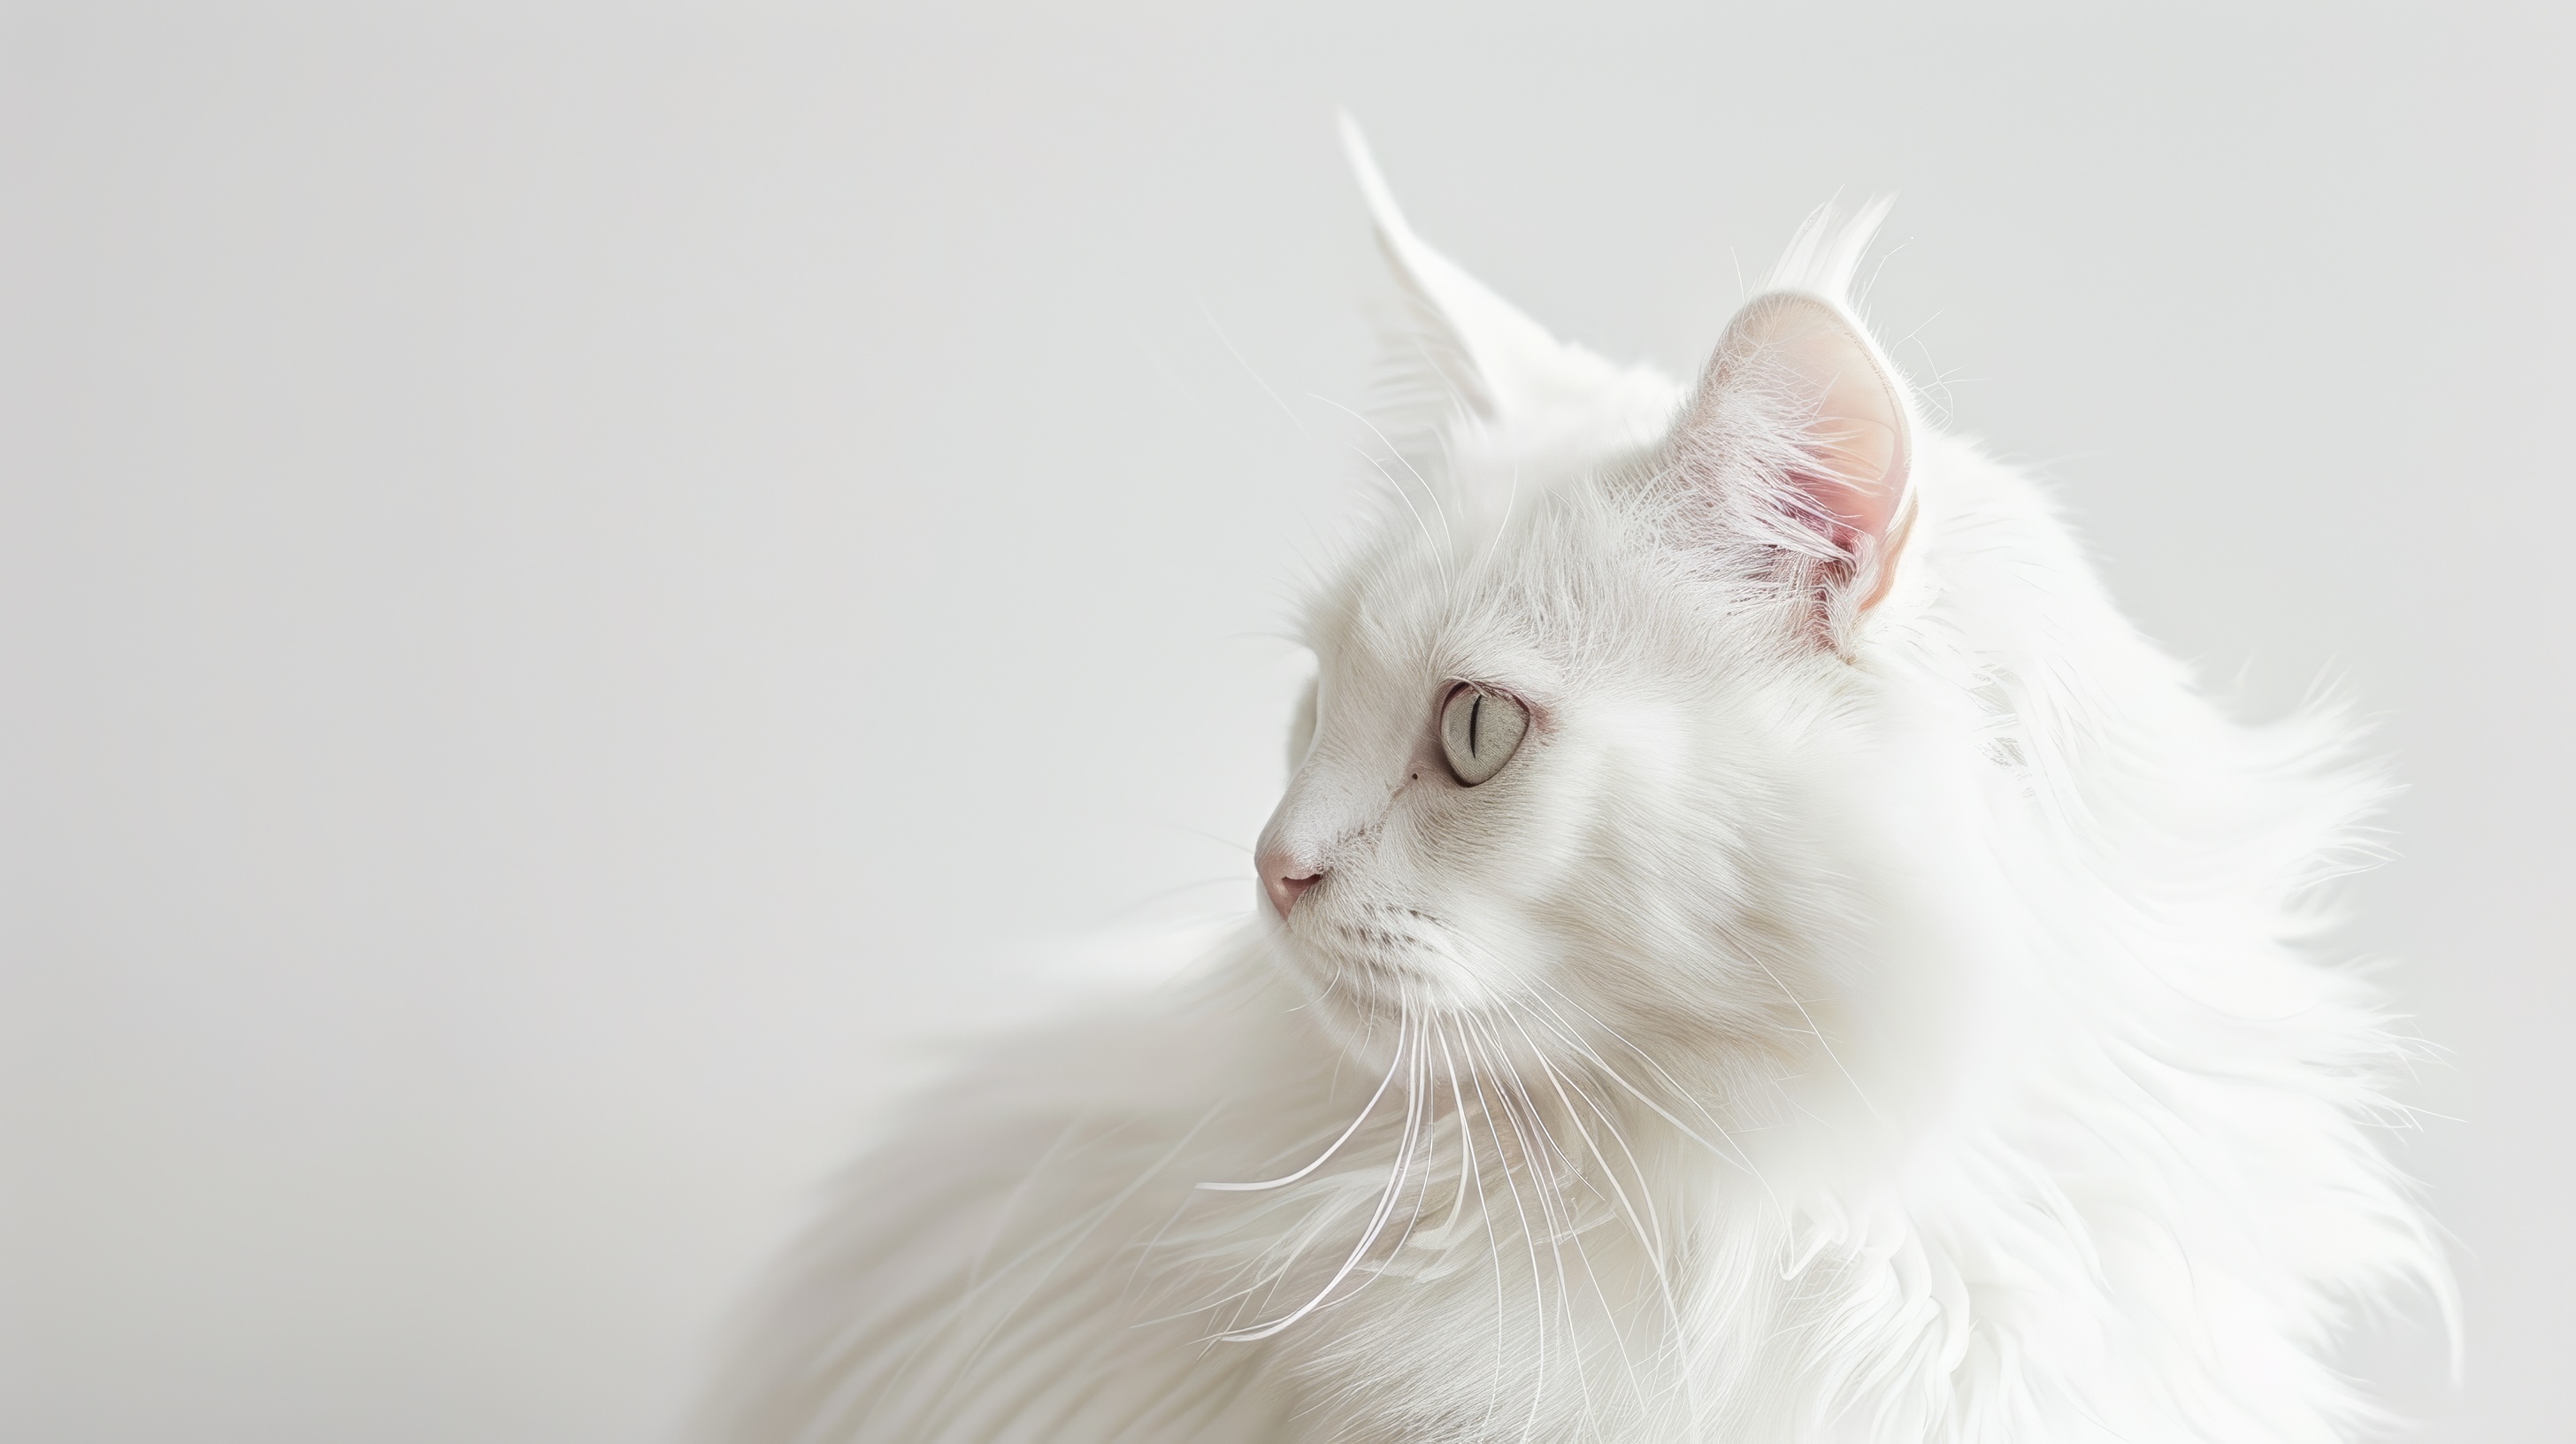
column 1455, row 347
column 1465, row 374
column 1800, row 438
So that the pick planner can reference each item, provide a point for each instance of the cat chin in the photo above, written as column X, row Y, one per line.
column 1363, row 1001
column 1366, row 1008
column 1465, row 1042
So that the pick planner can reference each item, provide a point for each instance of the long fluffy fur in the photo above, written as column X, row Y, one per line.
column 1920, row 1037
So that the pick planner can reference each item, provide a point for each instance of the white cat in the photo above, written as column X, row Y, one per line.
column 1754, row 948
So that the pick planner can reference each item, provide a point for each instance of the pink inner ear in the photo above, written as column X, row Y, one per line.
column 1858, row 437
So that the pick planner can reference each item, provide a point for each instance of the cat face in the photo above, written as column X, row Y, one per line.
column 1576, row 732
column 1631, row 860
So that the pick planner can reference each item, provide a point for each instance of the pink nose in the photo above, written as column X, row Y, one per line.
column 1280, row 880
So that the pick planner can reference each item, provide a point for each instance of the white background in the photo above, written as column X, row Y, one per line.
column 575, row 577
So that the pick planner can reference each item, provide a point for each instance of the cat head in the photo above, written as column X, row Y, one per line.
column 1578, row 758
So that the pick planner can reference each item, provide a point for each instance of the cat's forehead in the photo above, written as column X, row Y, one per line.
column 1508, row 601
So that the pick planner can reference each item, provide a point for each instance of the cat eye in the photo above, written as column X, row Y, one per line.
column 1480, row 730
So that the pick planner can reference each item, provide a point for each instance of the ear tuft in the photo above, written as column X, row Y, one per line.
column 1823, row 258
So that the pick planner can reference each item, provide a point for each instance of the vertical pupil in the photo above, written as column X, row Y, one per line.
column 1475, row 714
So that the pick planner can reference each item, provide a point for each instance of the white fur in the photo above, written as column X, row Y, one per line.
column 1909, row 1034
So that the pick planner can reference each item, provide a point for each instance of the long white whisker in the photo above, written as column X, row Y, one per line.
column 1447, row 536
column 1391, row 1069
column 1230, row 349
column 1647, row 1229
column 1572, row 1037
column 1567, row 1230
column 1377, row 1221
column 1484, row 1208
column 1734, row 1152
column 1529, row 1239
column 1511, row 503
column 1407, row 498
column 1424, row 1140
column 1515, row 1098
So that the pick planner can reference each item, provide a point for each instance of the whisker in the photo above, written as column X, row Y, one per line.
column 1647, row 1231
column 1734, row 1152
column 1468, row 1168
column 1370, row 1108
column 1448, row 537
column 1502, row 1155
column 1377, row 1221
column 1508, row 1084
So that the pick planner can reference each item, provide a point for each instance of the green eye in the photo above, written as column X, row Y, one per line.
column 1480, row 730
